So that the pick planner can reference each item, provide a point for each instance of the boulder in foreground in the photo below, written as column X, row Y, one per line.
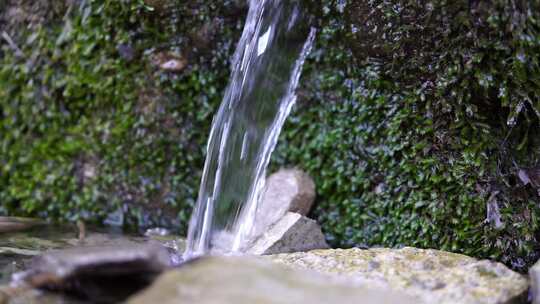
column 431, row 275
column 248, row 280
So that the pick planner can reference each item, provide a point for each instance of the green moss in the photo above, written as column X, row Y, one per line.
column 413, row 139
column 91, row 125
column 402, row 118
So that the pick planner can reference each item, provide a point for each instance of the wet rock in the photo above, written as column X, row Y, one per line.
column 12, row 224
column 247, row 280
column 17, row 248
column 286, row 190
column 103, row 274
column 432, row 275
column 534, row 274
column 292, row 233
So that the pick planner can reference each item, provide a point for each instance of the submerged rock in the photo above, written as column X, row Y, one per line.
column 432, row 275
column 292, row 233
column 245, row 280
column 103, row 274
column 286, row 190
column 534, row 274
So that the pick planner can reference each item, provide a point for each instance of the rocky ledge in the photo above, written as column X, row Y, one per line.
column 430, row 275
column 244, row 280
column 372, row 276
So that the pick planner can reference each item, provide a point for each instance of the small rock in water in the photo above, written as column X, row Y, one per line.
column 245, row 280
column 286, row 190
column 292, row 233
column 534, row 274
column 102, row 274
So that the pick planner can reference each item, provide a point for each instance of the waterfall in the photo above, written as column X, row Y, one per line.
column 266, row 68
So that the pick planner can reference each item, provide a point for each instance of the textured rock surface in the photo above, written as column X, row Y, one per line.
column 17, row 251
column 103, row 274
column 534, row 274
column 108, row 260
column 291, row 188
column 286, row 190
column 17, row 248
column 431, row 275
column 292, row 233
column 247, row 281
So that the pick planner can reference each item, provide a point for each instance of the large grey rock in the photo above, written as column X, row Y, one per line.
column 432, row 275
column 18, row 248
column 534, row 274
column 103, row 274
column 292, row 233
column 97, row 258
column 246, row 281
column 286, row 190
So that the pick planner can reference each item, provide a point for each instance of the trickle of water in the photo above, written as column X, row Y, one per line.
column 266, row 69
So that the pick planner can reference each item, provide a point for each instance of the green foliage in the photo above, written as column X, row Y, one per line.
column 89, row 124
column 402, row 118
column 428, row 127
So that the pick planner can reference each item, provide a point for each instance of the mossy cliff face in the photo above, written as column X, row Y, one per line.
column 402, row 118
column 430, row 115
column 90, row 121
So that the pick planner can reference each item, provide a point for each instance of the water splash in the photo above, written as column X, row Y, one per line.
column 266, row 69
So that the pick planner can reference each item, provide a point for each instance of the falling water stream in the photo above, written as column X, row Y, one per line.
column 266, row 68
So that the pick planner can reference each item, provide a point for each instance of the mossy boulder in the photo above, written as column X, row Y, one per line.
column 430, row 275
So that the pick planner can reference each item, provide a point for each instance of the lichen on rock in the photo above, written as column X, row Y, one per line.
column 432, row 275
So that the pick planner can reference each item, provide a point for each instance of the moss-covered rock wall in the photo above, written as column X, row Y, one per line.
column 106, row 105
column 429, row 126
column 417, row 119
